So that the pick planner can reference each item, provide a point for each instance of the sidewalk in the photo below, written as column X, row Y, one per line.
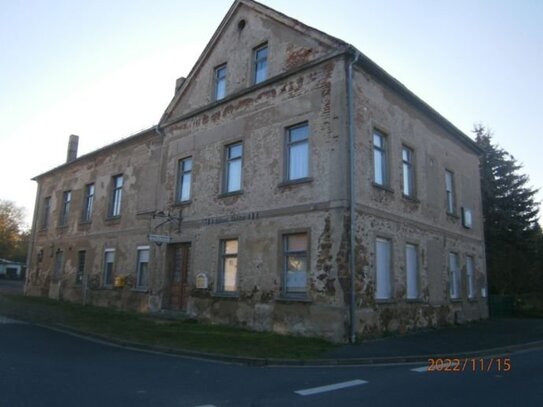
column 481, row 338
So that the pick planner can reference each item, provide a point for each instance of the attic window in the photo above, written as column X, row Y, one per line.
column 241, row 24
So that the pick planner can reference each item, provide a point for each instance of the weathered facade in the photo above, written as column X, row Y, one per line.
column 284, row 152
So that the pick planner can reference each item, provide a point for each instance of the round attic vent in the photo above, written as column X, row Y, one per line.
column 241, row 24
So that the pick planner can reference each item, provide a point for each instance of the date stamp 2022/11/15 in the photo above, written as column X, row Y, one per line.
column 456, row 365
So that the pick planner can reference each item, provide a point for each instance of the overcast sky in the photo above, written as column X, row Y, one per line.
column 106, row 69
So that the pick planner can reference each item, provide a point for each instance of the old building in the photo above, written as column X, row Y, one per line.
column 291, row 185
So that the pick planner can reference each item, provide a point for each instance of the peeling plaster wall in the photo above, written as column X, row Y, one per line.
column 137, row 159
column 423, row 221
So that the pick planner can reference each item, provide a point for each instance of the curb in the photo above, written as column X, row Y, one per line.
column 327, row 362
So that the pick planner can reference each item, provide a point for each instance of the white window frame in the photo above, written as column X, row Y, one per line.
column 226, row 257
column 295, row 144
column 184, row 172
column 90, row 190
column 219, row 88
column 454, row 276
column 260, row 61
column 450, row 192
column 470, row 277
column 408, row 172
column 380, row 172
column 412, row 271
column 140, row 269
column 108, row 275
column 229, row 162
column 65, row 209
column 383, row 269
column 81, row 264
column 117, row 182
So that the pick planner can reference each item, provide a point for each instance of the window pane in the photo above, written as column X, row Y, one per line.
column 412, row 271
column 297, row 243
column 378, row 161
column 185, row 187
column 230, row 273
column 235, row 151
column 298, row 163
column 234, row 176
column 383, row 263
column 378, row 141
column 298, row 133
column 187, row 164
column 230, row 246
column 470, row 272
column 296, row 274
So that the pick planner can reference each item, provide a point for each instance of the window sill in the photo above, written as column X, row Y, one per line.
column 230, row 194
column 60, row 227
column 456, row 300
column 182, row 204
column 113, row 220
column 453, row 215
column 384, row 301
column 288, row 183
column 85, row 222
column 385, row 188
column 473, row 300
column 414, row 301
column 140, row 290
column 228, row 296
column 293, row 299
column 411, row 199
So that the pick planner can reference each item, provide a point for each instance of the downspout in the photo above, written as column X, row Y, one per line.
column 352, row 196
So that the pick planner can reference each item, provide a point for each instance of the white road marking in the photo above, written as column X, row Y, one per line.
column 4, row 320
column 330, row 387
column 422, row 369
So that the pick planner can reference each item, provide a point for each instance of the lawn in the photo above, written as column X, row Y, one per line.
column 147, row 330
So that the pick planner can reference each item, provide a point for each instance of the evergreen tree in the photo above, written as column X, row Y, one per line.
column 512, row 234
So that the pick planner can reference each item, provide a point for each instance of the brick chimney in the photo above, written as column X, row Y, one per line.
column 72, row 148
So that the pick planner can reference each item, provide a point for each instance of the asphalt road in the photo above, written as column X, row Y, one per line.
column 41, row 367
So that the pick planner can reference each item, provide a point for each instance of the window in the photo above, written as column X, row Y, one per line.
column 116, row 196
column 228, row 272
column 261, row 64
column 65, row 211
column 295, row 263
column 470, row 275
column 88, row 203
column 45, row 214
column 109, row 260
column 220, row 82
column 297, row 152
column 142, row 272
column 383, row 268
column 467, row 218
column 81, row 257
column 232, row 181
column 449, row 188
column 454, row 273
column 184, row 177
column 59, row 260
column 412, row 271
column 380, row 165
column 408, row 172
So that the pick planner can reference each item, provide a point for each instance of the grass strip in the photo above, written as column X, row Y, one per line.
column 149, row 330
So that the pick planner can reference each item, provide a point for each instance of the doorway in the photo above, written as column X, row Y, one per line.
column 178, row 270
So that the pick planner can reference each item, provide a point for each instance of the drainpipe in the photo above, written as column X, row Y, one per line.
column 352, row 195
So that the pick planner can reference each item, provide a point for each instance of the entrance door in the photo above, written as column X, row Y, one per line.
column 179, row 255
